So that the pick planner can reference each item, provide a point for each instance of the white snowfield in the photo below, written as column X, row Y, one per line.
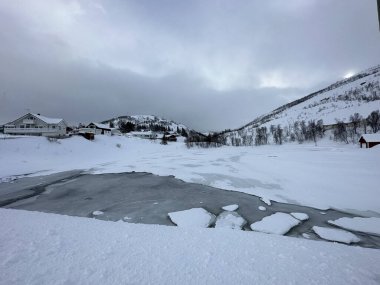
column 196, row 217
column 336, row 235
column 49, row 249
column 326, row 176
column 278, row 223
column 365, row 225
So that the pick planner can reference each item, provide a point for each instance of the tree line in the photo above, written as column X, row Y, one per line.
column 298, row 131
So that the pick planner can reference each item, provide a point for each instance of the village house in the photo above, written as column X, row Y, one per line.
column 36, row 125
column 369, row 140
column 98, row 129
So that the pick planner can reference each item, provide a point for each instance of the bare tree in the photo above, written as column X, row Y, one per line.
column 355, row 121
column 320, row 128
column 340, row 132
column 312, row 130
column 280, row 134
column 374, row 120
column 364, row 123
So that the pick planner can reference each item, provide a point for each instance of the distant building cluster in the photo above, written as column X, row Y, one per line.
column 37, row 125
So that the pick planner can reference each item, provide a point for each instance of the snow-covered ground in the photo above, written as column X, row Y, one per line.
column 344, row 177
column 39, row 248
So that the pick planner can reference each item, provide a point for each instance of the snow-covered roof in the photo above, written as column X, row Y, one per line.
column 48, row 120
column 101, row 126
column 371, row 137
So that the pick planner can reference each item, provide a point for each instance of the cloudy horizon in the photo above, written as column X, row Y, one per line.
column 210, row 65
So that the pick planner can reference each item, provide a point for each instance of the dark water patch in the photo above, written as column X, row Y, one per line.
column 139, row 197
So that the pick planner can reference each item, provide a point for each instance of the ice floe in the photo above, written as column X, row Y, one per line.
column 195, row 217
column 300, row 216
column 365, row 225
column 336, row 235
column 230, row 220
column 233, row 207
column 278, row 223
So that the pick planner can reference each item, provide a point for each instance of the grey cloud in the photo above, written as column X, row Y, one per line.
column 208, row 64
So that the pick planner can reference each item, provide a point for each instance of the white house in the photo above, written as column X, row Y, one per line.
column 99, row 129
column 36, row 125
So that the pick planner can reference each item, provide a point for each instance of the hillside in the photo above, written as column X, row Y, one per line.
column 337, row 102
column 148, row 123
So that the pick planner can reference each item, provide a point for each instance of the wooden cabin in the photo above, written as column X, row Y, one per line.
column 369, row 140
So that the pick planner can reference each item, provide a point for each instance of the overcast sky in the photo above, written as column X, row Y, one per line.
column 208, row 64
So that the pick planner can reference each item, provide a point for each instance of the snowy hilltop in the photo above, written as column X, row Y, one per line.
column 146, row 123
column 349, row 101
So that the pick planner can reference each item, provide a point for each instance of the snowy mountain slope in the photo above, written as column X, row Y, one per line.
column 357, row 94
column 147, row 122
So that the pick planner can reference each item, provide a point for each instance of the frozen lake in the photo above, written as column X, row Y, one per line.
column 139, row 197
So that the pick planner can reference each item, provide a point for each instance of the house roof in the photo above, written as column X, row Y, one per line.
column 100, row 126
column 48, row 120
column 371, row 137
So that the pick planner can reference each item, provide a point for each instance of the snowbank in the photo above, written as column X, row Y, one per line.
column 39, row 248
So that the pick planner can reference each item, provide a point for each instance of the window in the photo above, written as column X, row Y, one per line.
column 27, row 126
column 22, row 126
column 53, row 127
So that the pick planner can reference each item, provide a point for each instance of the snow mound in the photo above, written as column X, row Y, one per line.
column 300, row 216
column 278, row 223
column 97, row 213
column 195, row 217
column 231, row 208
column 365, row 225
column 336, row 235
column 230, row 220
column 262, row 208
